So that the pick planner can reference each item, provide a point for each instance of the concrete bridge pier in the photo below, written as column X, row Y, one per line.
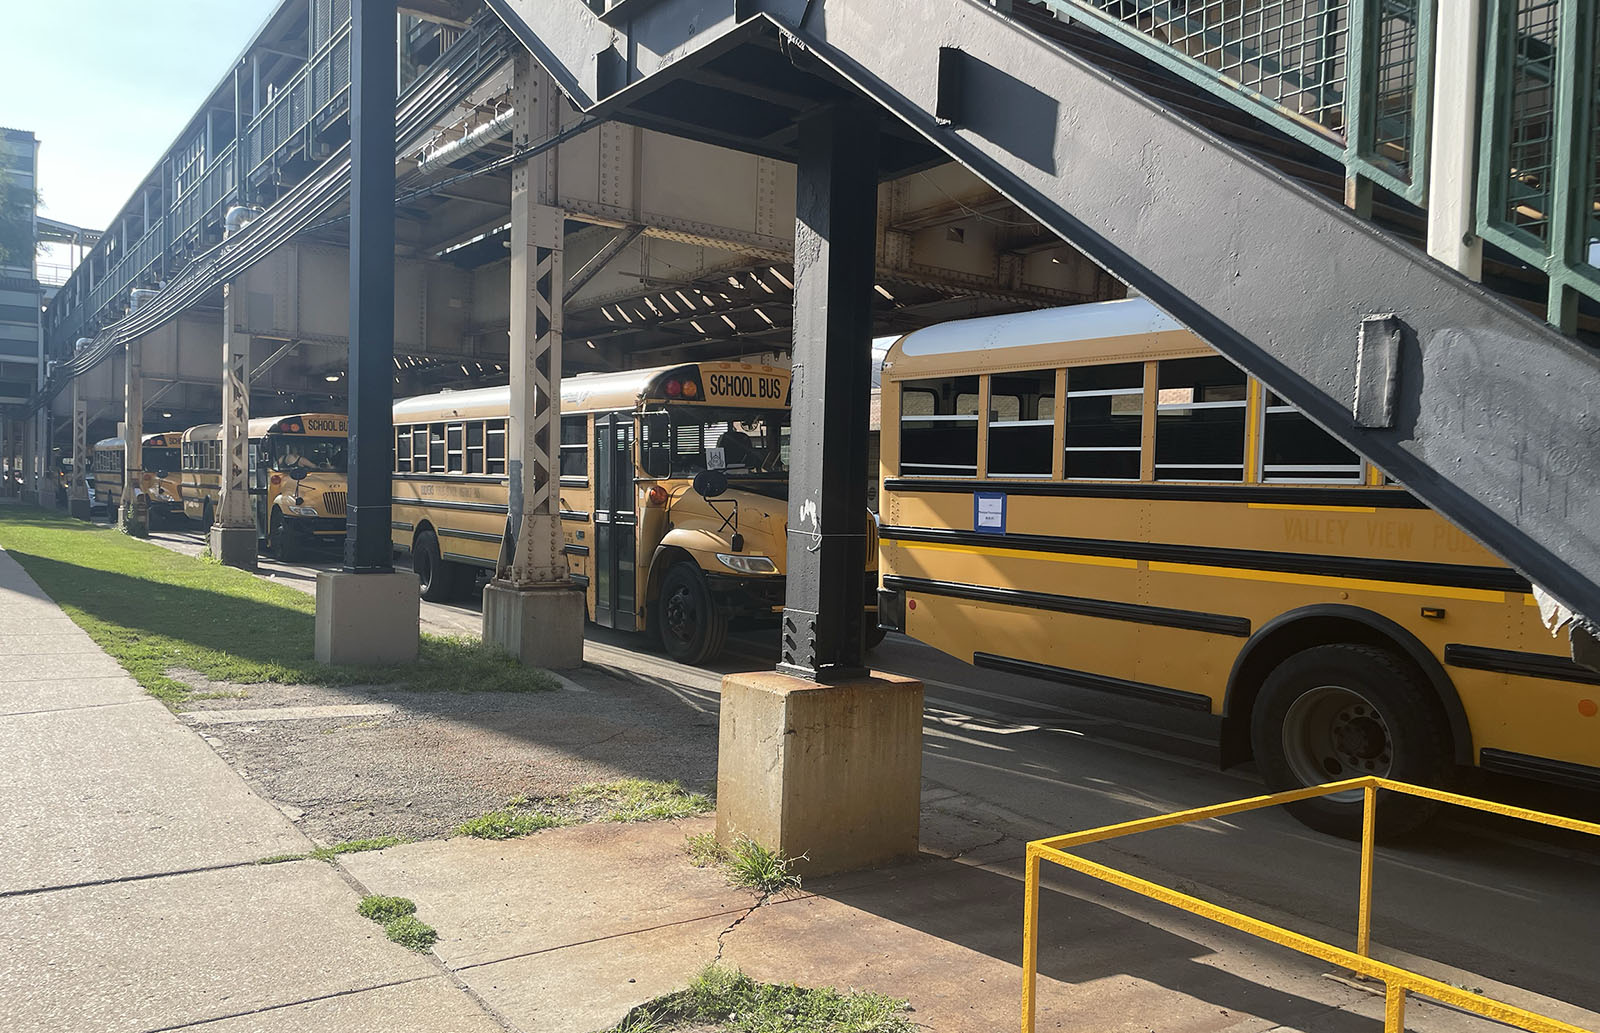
column 369, row 613
column 532, row 609
column 135, row 514
column 844, row 790
column 78, row 494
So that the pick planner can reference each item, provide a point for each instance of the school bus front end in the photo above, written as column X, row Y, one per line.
column 301, row 470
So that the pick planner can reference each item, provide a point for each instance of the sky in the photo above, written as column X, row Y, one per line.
column 106, row 85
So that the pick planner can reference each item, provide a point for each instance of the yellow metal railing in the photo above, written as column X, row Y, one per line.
column 1398, row 982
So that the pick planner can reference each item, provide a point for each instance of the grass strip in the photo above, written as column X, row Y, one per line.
column 725, row 999
column 155, row 610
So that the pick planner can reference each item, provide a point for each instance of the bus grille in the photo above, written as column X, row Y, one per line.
column 333, row 502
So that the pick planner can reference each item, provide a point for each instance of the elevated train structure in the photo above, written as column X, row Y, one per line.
column 1383, row 211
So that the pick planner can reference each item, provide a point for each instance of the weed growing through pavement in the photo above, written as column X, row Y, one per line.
column 726, row 1000
column 328, row 853
column 412, row 934
column 397, row 915
column 755, row 867
column 747, row 863
column 508, row 823
column 705, row 851
column 628, row 799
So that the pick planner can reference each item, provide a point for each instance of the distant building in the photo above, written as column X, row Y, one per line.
column 20, row 294
column 21, row 336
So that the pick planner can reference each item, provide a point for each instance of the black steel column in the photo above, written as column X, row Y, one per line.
column 372, row 99
column 835, row 257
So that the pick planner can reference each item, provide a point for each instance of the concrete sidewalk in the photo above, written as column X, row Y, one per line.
column 129, row 900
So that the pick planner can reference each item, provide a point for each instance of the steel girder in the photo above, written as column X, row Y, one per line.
column 1488, row 413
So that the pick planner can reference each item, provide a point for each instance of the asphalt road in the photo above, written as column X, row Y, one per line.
column 1483, row 899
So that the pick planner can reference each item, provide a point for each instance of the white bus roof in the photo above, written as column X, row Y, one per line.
column 1093, row 322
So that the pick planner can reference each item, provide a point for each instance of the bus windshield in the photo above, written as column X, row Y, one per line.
column 329, row 455
column 754, row 442
column 160, row 460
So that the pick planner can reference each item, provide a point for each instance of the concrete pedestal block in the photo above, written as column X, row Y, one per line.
column 830, row 772
column 135, row 520
column 79, row 509
column 368, row 618
column 542, row 626
column 233, row 546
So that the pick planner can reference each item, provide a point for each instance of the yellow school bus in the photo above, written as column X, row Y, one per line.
column 160, row 479
column 650, row 551
column 1095, row 497
column 298, row 483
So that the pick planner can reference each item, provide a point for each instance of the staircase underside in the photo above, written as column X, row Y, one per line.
column 1487, row 413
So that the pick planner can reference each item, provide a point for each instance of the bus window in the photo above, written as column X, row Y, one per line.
column 939, row 428
column 1105, row 422
column 495, row 446
column 402, row 449
column 1200, row 416
column 475, row 460
column 1022, row 422
column 1296, row 451
column 455, row 449
column 575, row 447
column 436, row 448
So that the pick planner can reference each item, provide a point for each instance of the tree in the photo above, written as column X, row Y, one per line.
column 18, row 245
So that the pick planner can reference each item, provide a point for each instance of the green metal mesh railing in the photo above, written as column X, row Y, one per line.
column 1538, row 181
column 1353, row 79
column 1292, row 63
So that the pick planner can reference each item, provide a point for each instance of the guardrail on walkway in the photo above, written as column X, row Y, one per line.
column 1398, row 982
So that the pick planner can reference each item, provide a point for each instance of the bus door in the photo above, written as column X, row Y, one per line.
column 260, row 500
column 614, row 523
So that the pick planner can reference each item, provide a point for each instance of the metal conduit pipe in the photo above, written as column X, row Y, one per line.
column 474, row 140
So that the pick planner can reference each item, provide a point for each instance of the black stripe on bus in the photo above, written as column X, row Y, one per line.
column 1498, row 579
column 471, row 561
column 575, row 550
column 1189, row 620
column 1272, row 494
column 572, row 515
column 1541, row 768
column 581, row 580
column 472, row 536
column 401, row 525
column 1512, row 661
column 473, row 507
column 1098, row 682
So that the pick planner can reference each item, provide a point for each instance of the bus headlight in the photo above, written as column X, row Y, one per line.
column 306, row 511
column 753, row 564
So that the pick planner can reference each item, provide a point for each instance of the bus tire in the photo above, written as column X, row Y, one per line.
column 1342, row 711
column 281, row 538
column 693, row 630
column 437, row 578
column 206, row 515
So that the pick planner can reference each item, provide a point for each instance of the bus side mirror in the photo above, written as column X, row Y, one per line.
column 710, row 483
column 298, row 472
